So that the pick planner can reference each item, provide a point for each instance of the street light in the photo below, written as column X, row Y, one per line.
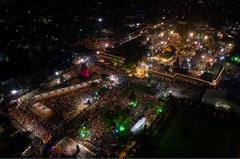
column 56, row 73
column 106, row 45
column 13, row 92
column 161, row 34
column 191, row 34
column 100, row 19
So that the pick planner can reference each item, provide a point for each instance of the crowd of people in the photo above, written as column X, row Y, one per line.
column 32, row 123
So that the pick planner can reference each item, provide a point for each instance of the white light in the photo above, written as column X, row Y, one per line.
column 222, row 58
column 56, row 73
column 188, row 60
column 81, row 60
column 195, row 42
column 201, row 46
column 230, row 45
column 171, row 32
column 58, row 81
column 139, row 125
column 187, row 40
column 211, row 60
column 161, row 34
column 203, row 56
column 222, row 50
column 205, row 37
column 98, row 52
column 100, row 19
column 14, row 92
column 191, row 34
column 106, row 45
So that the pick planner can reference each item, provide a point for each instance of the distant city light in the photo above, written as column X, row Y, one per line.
column 13, row 92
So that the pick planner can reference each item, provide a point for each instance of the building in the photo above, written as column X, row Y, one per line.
column 220, row 99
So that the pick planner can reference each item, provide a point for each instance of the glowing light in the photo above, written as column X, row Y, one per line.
column 114, row 79
column 202, row 56
column 81, row 60
column 56, row 73
column 205, row 37
column 161, row 34
column 133, row 103
column 98, row 52
column 139, row 125
column 222, row 58
column 13, row 92
column 100, row 19
column 83, row 132
column 159, row 110
column 191, row 34
column 171, row 32
column 106, row 45
column 121, row 128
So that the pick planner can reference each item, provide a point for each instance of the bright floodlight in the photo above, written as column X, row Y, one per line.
column 14, row 92
column 222, row 58
column 100, row 19
column 205, row 37
column 191, row 34
column 161, row 34
column 81, row 60
column 56, row 73
column 106, row 45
